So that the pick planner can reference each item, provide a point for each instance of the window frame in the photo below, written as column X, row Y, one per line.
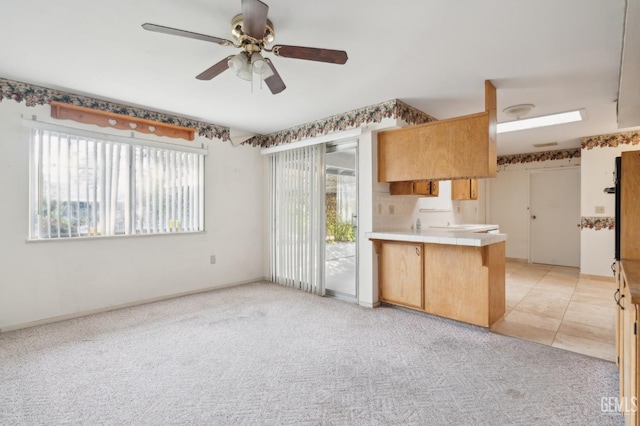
column 132, row 144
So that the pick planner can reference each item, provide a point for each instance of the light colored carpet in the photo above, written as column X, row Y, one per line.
column 266, row 354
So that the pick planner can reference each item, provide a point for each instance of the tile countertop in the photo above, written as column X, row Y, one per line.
column 459, row 235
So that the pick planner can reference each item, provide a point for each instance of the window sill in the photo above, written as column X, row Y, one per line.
column 111, row 237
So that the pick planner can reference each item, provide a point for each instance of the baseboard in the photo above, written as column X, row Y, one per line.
column 369, row 305
column 516, row 259
column 121, row 306
column 598, row 278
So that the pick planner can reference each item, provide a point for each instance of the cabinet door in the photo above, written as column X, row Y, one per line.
column 474, row 189
column 619, row 323
column 457, row 147
column 435, row 188
column 628, row 360
column 401, row 188
column 620, row 332
column 464, row 189
column 633, row 370
column 400, row 274
column 630, row 365
column 424, row 188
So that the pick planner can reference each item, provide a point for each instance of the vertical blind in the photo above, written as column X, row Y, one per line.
column 296, row 218
column 83, row 186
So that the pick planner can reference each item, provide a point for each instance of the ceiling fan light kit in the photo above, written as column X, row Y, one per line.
column 253, row 31
column 257, row 63
column 239, row 64
column 246, row 67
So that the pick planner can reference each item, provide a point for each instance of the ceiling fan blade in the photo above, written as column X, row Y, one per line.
column 254, row 18
column 275, row 83
column 213, row 71
column 311, row 54
column 188, row 34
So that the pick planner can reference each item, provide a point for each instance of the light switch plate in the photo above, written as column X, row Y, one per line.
column 599, row 209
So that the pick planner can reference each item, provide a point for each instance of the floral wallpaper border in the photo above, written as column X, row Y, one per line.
column 610, row 140
column 394, row 108
column 598, row 223
column 560, row 154
column 36, row 95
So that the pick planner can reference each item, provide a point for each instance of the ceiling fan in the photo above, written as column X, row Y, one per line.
column 253, row 32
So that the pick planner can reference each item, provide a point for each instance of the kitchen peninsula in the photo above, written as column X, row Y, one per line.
column 456, row 272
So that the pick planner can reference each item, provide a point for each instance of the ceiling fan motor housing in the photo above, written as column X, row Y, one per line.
column 240, row 36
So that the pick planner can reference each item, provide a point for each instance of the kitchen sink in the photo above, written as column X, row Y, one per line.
column 463, row 227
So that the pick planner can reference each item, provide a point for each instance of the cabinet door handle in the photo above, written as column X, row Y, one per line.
column 418, row 251
column 618, row 299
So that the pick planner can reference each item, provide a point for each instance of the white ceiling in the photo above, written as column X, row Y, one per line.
column 431, row 54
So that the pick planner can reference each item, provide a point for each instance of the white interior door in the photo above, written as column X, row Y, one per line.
column 555, row 217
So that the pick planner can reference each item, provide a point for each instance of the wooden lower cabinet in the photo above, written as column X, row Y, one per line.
column 627, row 345
column 400, row 274
column 465, row 283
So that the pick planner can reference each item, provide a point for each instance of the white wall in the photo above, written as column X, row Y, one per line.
column 597, row 248
column 43, row 280
column 367, row 259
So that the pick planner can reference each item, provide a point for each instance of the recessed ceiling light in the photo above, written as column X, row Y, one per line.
column 541, row 121
column 518, row 111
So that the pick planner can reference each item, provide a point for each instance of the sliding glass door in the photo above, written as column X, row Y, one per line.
column 341, row 220
column 314, row 218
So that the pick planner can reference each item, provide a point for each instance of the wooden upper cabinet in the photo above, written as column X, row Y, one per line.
column 464, row 189
column 456, row 148
column 424, row 188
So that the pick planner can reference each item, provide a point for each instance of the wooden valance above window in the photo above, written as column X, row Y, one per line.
column 85, row 115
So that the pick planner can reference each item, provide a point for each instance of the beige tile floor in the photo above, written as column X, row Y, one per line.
column 553, row 306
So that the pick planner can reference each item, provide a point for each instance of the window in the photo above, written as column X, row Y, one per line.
column 85, row 186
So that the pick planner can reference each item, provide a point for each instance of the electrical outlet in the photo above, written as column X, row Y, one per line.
column 379, row 208
column 392, row 209
column 599, row 209
column 458, row 209
column 212, row 259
